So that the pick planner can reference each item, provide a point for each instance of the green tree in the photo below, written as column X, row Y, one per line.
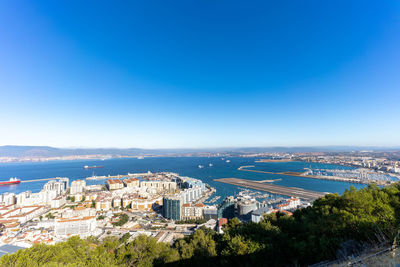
column 124, row 238
column 145, row 251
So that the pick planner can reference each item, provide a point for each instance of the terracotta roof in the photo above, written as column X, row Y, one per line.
column 114, row 181
column 11, row 225
column 131, row 180
column 283, row 205
column 222, row 221
column 26, row 213
column 76, row 219
column 6, row 207
column 8, row 221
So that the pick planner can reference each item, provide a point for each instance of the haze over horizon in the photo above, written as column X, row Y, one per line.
column 217, row 148
column 199, row 74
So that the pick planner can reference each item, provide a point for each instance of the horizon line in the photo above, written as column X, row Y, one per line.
column 222, row 147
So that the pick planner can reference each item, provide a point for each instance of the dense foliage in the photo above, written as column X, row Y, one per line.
column 335, row 226
column 192, row 221
column 123, row 218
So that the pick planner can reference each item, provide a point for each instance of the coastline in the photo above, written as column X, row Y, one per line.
column 274, row 160
column 331, row 178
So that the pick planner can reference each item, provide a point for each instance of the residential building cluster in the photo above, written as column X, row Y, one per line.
column 156, row 204
column 60, row 211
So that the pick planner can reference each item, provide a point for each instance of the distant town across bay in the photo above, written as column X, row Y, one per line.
column 272, row 154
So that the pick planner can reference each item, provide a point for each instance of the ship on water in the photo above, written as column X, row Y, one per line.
column 11, row 181
column 92, row 167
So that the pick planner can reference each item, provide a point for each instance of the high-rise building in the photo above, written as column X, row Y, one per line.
column 210, row 212
column 8, row 199
column 77, row 186
column 227, row 208
column 65, row 182
column 190, row 195
column 58, row 186
column 172, row 207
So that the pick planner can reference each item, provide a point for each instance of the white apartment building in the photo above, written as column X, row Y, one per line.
column 114, row 184
column 159, row 186
column 192, row 211
column 50, row 191
column 41, row 198
column 23, row 214
column 21, row 197
column 131, row 182
column 59, row 186
column 5, row 209
column 83, row 226
column 290, row 204
column 117, row 202
column 77, row 186
column 58, row 202
column 103, row 202
column 191, row 194
column 78, row 197
column 8, row 199
column 79, row 212
column 145, row 204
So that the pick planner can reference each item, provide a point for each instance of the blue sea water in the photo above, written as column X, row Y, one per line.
column 185, row 166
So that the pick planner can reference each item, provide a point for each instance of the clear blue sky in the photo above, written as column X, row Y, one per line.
column 158, row 74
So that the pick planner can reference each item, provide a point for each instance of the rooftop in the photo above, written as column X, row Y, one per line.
column 114, row 181
column 130, row 180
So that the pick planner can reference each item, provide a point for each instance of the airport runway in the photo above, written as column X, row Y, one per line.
column 307, row 195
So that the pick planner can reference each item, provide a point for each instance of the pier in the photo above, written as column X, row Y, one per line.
column 307, row 195
column 87, row 178
column 38, row 180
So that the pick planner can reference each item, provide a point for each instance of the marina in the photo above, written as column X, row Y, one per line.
column 308, row 174
column 213, row 200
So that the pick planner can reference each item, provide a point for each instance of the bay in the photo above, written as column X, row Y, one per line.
column 185, row 166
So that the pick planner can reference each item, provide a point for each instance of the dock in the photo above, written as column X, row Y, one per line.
column 320, row 177
column 306, row 195
column 38, row 180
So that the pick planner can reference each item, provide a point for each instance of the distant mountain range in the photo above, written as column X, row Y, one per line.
column 47, row 151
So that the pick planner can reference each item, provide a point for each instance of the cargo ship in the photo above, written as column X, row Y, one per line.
column 11, row 181
column 92, row 167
